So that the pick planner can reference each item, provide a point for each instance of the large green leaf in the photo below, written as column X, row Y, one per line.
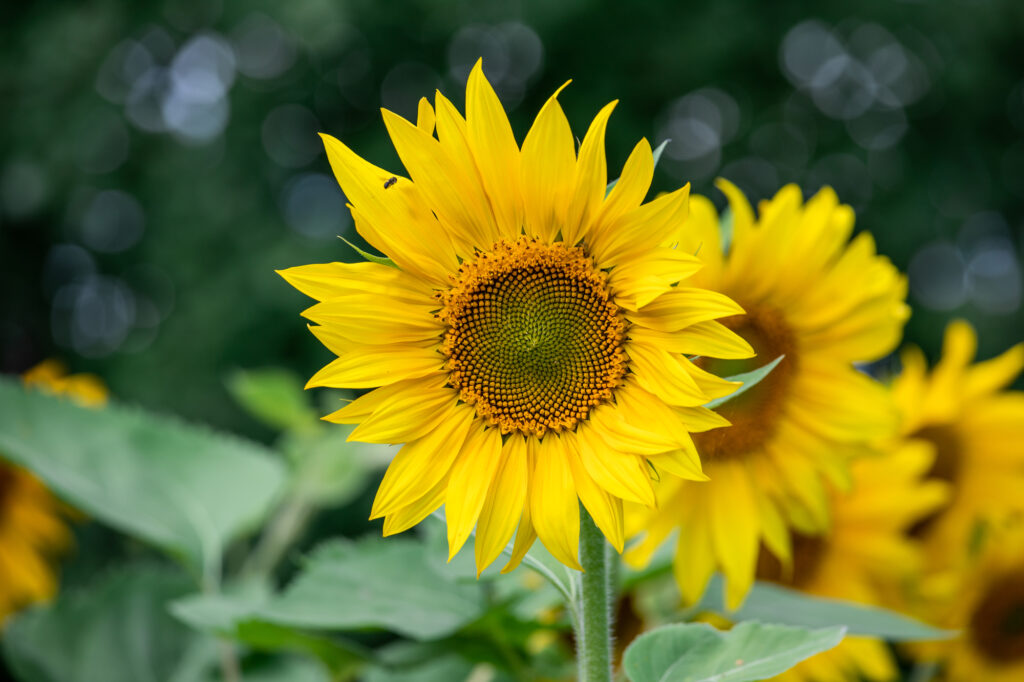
column 328, row 470
column 231, row 614
column 373, row 583
column 778, row 604
column 697, row 652
column 448, row 668
column 274, row 396
column 118, row 630
column 290, row 669
column 184, row 488
column 432, row 662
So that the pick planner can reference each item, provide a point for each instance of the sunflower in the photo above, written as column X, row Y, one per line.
column 984, row 600
column 529, row 346
column 820, row 303
column 31, row 529
column 977, row 432
column 866, row 557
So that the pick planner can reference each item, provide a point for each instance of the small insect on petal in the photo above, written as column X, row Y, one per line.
column 390, row 181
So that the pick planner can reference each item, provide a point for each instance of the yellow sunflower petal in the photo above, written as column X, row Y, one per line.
column 525, row 532
column 641, row 230
column 651, row 274
column 404, row 418
column 458, row 200
column 365, row 405
column 374, row 321
column 682, row 307
column 554, row 507
column 548, row 169
column 408, row 516
column 663, row 375
column 392, row 220
column 420, row 464
column 591, row 179
column 622, row 475
column 324, row 281
column 632, row 186
column 504, row 504
column 495, row 150
column 371, row 366
column 735, row 530
column 694, row 560
column 425, row 116
column 604, row 508
column 471, row 476
column 709, row 338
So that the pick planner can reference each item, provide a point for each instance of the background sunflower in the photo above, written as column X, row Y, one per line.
column 976, row 429
column 866, row 557
column 32, row 524
column 821, row 305
column 984, row 600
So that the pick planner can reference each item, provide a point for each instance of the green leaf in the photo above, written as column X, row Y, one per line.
column 230, row 614
column 329, row 470
column 417, row 662
column 375, row 583
column 379, row 260
column 274, row 396
column 371, row 583
column 290, row 669
column 779, row 604
column 118, row 630
column 657, row 157
column 697, row 652
column 184, row 488
column 749, row 379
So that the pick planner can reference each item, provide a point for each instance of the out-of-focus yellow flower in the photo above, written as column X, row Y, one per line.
column 866, row 557
column 825, row 303
column 985, row 601
column 977, row 432
column 530, row 346
column 31, row 528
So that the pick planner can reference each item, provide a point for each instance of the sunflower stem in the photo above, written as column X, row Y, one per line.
column 594, row 634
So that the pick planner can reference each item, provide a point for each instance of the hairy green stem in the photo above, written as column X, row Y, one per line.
column 594, row 634
column 282, row 531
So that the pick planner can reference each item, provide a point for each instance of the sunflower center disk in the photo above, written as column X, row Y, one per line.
column 997, row 625
column 755, row 413
column 946, row 467
column 808, row 553
column 533, row 341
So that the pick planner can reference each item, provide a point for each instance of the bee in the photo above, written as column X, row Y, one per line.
column 390, row 181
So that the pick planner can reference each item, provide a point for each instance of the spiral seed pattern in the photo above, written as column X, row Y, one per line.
column 533, row 340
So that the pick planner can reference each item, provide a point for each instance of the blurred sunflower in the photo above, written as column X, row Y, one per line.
column 866, row 557
column 528, row 347
column 985, row 601
column 977, row 432
column 31, row 528
column 824, row 305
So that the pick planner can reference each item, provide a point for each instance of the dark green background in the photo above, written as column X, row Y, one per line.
column 139, row 232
